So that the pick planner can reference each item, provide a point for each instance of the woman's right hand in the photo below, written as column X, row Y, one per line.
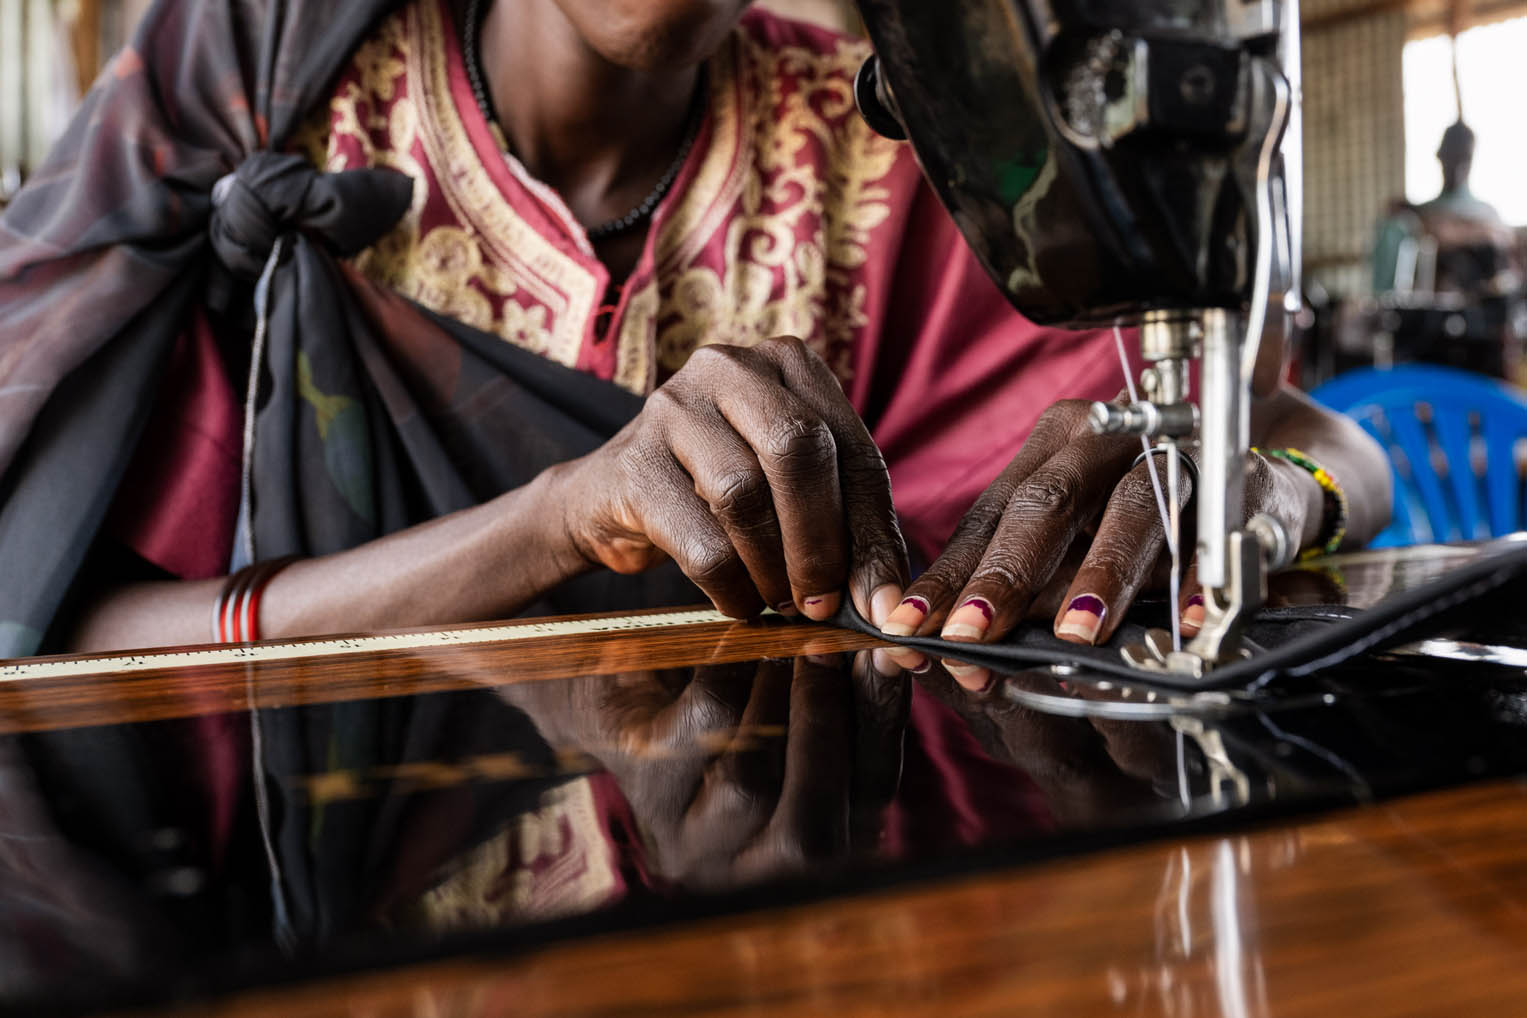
column 751, row 470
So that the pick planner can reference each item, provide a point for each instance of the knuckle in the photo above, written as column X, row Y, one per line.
column 979, row 522
column 711, row 562
column 943, row 579
column 733, row 798
column 1067, row 415
column 664, row 403
column 802, row 444
column 865, row 465
column 1046, row 494
column 711, row 362
column 877, row 535
column 786, row 347
column 877, row 550
column 741, row 495
column 707, row 357
column 798, row 360
column 1135, row 496
column 1004, row 569
column 707, row 711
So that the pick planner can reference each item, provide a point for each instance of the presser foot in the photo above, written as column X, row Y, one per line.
column 1155, row 654
column 1264, row 545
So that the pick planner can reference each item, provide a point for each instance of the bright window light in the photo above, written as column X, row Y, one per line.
column 1494, row 80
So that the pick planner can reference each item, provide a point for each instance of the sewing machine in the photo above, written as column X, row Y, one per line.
column 1127, row 164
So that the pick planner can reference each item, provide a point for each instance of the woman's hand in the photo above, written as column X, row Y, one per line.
column 740, row 772
column 749, row 469
column 1023, row 548
column 1091, row 771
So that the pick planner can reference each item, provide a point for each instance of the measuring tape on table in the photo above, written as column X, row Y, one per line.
column 150, row 660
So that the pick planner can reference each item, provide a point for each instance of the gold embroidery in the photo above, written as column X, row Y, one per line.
column 357, row 132
column 551, row 862
column 635, row 368
column 396, row 108
column 768, row 236
column 810, row 194
column 566, row 291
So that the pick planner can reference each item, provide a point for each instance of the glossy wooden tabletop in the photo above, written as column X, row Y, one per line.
column 1415, row 907
column 1409, row 906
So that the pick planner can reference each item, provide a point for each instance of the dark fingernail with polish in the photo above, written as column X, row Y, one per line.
column 1083, row 618
column 969, row 621
column 906, row 617
column 1196, row 601
column 821, row 607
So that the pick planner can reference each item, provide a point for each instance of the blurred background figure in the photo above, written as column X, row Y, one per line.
column 1448, row 275
column 1424, row 137
column 1468, row 247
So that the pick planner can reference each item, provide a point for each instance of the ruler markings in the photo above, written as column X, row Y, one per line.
column 117, row 664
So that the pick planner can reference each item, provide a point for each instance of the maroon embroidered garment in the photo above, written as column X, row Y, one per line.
column 790, row 217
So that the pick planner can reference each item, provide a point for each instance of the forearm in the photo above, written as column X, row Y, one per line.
column 481, row 563
column 1290, row 419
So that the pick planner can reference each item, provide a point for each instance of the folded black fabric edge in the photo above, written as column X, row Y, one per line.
column 1397, row 616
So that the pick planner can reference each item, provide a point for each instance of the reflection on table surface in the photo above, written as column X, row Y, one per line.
column 1361, row 579
column 212, row 826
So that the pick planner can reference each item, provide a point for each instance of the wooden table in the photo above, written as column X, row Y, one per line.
column 1416, row 907
column 1413, row 906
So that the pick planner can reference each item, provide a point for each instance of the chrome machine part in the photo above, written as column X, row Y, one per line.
column 1232, row 563
column 1223, row 441
column 1147, row 418
column 1125, row 164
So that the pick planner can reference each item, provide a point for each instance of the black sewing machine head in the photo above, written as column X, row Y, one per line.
column 1100, row 156
column 1126, row 161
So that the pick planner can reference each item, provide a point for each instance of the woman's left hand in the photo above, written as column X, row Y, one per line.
column 1023, row 549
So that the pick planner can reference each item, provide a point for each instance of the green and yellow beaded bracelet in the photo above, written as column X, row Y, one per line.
column 1335, row 522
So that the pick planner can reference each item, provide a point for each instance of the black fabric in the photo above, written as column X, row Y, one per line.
column 106, row 250
column 171, row 189
column 87, row 801
column 270, row 195
column 55, row 496
column 1285, row 641
column 376, row 416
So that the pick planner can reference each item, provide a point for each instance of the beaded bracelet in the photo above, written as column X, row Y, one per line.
column 1336, row 511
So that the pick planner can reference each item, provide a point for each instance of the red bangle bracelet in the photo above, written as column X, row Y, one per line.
column 236, row 612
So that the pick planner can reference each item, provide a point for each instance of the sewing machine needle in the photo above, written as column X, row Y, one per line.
column 1174, row 538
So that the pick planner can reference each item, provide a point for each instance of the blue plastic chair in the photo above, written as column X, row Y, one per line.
column 1457, row 443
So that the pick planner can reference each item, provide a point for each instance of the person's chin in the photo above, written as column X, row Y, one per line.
column 690, row 36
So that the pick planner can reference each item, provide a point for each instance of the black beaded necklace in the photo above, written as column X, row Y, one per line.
column 614, row 227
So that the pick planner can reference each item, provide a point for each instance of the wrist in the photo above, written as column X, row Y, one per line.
column 549, row 501
column 1305, row 498
column 1330, row 522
